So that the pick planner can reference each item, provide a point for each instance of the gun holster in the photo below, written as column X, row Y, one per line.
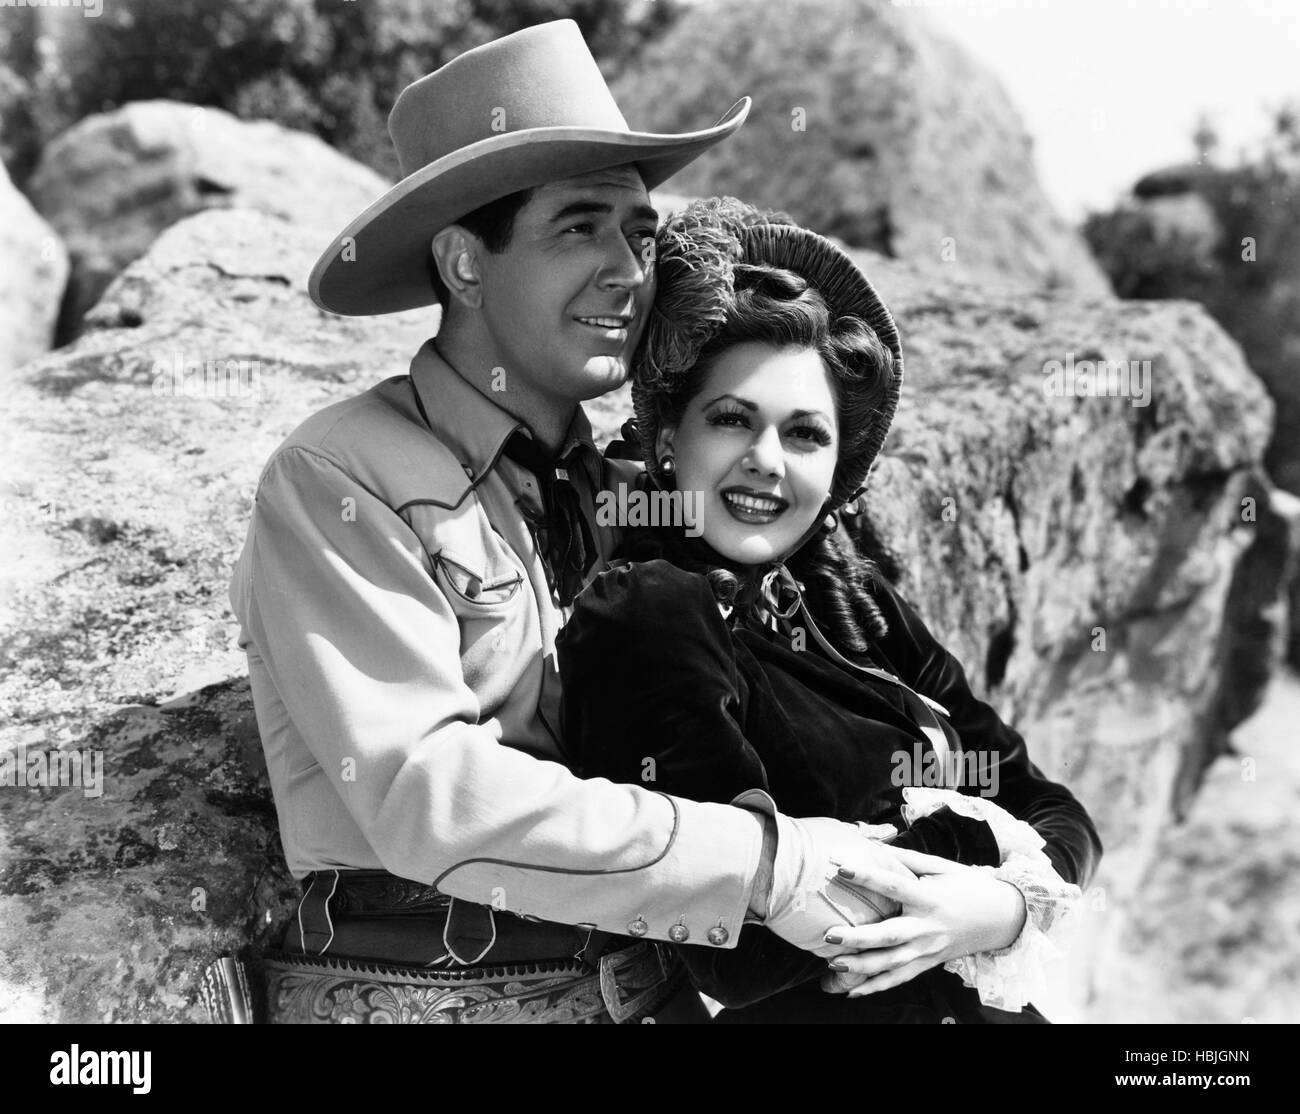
column 234, row 991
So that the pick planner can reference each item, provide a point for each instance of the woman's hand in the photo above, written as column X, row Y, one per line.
column 948, row 910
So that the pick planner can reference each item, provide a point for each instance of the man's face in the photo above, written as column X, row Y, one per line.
column 566, row 302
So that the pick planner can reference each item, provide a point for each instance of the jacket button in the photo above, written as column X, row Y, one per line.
column 637, row 927
column 679, row 934
column 718, row 936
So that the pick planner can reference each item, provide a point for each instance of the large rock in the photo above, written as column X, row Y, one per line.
column 31, row 281
column 126, row 504
column 1229, row 239
column 1025, row 524
column 866, row 125
column 111, row 906
column 1109, row 573
column 113, row 182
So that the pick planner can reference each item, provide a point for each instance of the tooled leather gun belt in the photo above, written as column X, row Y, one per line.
column 375, row 916
column 626, row 986
column 487, row 966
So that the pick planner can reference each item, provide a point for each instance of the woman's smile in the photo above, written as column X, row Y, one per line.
column 752, row 507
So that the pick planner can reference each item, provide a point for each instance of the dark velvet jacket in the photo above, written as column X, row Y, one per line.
column 661, row 690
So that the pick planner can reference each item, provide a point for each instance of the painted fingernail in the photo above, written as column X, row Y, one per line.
column 833, row 938
column 836, row 965
column 845, row 872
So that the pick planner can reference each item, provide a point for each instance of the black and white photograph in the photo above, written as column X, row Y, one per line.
column 651, row 512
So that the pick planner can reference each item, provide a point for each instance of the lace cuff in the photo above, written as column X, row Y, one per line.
column 1014, row 836
column 1009, row 978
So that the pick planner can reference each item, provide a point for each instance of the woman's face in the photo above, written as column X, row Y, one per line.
column 759, row 443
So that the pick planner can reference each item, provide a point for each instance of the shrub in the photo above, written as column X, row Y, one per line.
column 333, row 67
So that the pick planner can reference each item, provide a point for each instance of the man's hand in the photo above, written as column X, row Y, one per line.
column 761, row 894
column 808, row 898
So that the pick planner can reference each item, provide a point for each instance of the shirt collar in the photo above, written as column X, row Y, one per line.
column 471, row 424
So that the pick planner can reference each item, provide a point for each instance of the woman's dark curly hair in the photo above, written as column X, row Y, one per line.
column 711, row 298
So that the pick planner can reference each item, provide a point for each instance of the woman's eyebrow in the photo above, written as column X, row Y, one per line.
column 748, row 405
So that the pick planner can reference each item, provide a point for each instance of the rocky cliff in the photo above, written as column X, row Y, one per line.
column 135, row 454
column 1228, row 239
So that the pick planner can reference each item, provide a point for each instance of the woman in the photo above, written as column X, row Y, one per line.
column 753, row 648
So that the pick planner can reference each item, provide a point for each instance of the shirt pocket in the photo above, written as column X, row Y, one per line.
column 471, row 563
column 486, row 587
column 476, row 584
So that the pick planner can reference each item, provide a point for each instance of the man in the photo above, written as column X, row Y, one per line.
column 412, row 554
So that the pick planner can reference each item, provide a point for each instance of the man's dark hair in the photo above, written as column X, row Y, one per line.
column 493, row 223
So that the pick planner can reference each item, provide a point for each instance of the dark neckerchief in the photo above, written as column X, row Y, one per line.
column 562, row 532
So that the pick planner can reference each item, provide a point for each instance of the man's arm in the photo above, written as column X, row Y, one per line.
column 363, row 651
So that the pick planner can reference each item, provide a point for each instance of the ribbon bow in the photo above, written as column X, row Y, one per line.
column 780, row 596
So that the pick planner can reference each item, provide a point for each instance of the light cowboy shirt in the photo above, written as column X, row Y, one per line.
column 401, row 646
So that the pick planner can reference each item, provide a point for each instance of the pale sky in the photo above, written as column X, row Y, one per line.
column 1110, row 89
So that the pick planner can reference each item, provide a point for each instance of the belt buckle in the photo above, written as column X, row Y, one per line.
column 642, row 969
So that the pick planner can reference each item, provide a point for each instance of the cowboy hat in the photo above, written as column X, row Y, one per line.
column 697, row 253
column 527, row 109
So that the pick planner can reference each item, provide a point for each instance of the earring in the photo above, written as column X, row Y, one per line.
column 829, row 523
column 667, row 465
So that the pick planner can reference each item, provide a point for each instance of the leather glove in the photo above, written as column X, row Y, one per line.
column 808, row 897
